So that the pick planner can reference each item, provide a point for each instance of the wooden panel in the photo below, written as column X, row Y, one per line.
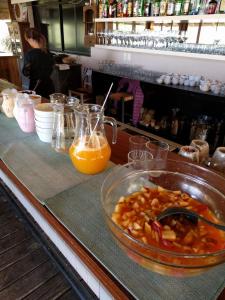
column 9, row 69
column 4, row 10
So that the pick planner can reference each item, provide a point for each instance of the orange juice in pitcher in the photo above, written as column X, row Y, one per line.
column 90, row 151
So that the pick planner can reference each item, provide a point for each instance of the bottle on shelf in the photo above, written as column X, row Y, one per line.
column 147, row 8
column 100, row 9
column 112, row 8
column 156, row 8
column 170, row 8
column 125, row 8
column 138, row 6
column 130, row 8
column 178, row 7
column 194, row 7
column 105, row 10
column 202, row 8
column 119, row 9
column 211, row 7
column 174, row 127
column 186, row 7
column 222, row 6
column 163, row 7
column 219, row 133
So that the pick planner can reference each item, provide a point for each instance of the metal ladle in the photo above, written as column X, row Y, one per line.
column 190, row 214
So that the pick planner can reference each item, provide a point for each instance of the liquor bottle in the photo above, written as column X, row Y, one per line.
column 194, row 7
column 155, row 8
column 163, row 7
column 130, row 8
column 211, row 8
column 147, row 8
column 100, row 9
column 222, row 6
column 174, row 127
column 141, row 8
column 138, row 8
column 125, row 8
column 178, row 6
column 119, row 9
column 105, row 9
column 202, row 9
column 112, row 8
column 219, row 133
column 170, row 8
column 186, row 7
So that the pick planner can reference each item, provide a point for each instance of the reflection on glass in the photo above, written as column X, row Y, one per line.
column 68, row 27
column 73, row 28
column 49, row 16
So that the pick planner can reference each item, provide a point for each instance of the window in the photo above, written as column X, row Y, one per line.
column 64, row 27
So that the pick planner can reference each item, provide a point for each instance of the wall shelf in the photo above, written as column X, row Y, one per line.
column 166, row 19
column 164, row 52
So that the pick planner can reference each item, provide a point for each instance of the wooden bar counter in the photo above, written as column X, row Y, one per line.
column 101, row 280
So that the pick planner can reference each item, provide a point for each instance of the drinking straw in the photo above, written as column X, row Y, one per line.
column 102, row 108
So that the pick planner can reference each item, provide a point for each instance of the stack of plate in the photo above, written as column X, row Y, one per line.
column 43, row 114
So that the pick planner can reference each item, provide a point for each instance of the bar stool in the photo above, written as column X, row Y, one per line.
column 84, row 94
column 122, row 97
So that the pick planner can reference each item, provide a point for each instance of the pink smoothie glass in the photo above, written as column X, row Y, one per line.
column 25, row 115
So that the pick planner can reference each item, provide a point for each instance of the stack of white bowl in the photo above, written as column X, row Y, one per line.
column 43, row 114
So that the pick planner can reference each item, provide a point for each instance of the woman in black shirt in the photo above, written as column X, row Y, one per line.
column 38, row 64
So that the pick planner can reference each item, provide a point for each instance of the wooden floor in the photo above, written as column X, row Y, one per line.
column 27, row 271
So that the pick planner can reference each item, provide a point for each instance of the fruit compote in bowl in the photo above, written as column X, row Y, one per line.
column 133, row 197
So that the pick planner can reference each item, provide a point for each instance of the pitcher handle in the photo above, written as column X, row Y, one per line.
column 113, row 123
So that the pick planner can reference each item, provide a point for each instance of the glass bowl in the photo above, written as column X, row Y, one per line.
column 199, row 182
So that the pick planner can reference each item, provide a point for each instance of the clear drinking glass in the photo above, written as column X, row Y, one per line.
column 159, row 149
column 138, row 142
column 58, row 98
column 140, row 159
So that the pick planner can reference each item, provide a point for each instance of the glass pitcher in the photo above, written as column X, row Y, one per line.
column 63, row 127
column 90, row 151
column 9, row 96
column 57, row 98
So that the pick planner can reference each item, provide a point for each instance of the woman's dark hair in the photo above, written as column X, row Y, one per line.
column 32, row 33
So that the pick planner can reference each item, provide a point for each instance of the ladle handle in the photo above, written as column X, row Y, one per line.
column 218, row 226
column 113, row 123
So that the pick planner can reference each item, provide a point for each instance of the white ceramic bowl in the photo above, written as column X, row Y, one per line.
column 44, row 134
column 43, row 110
